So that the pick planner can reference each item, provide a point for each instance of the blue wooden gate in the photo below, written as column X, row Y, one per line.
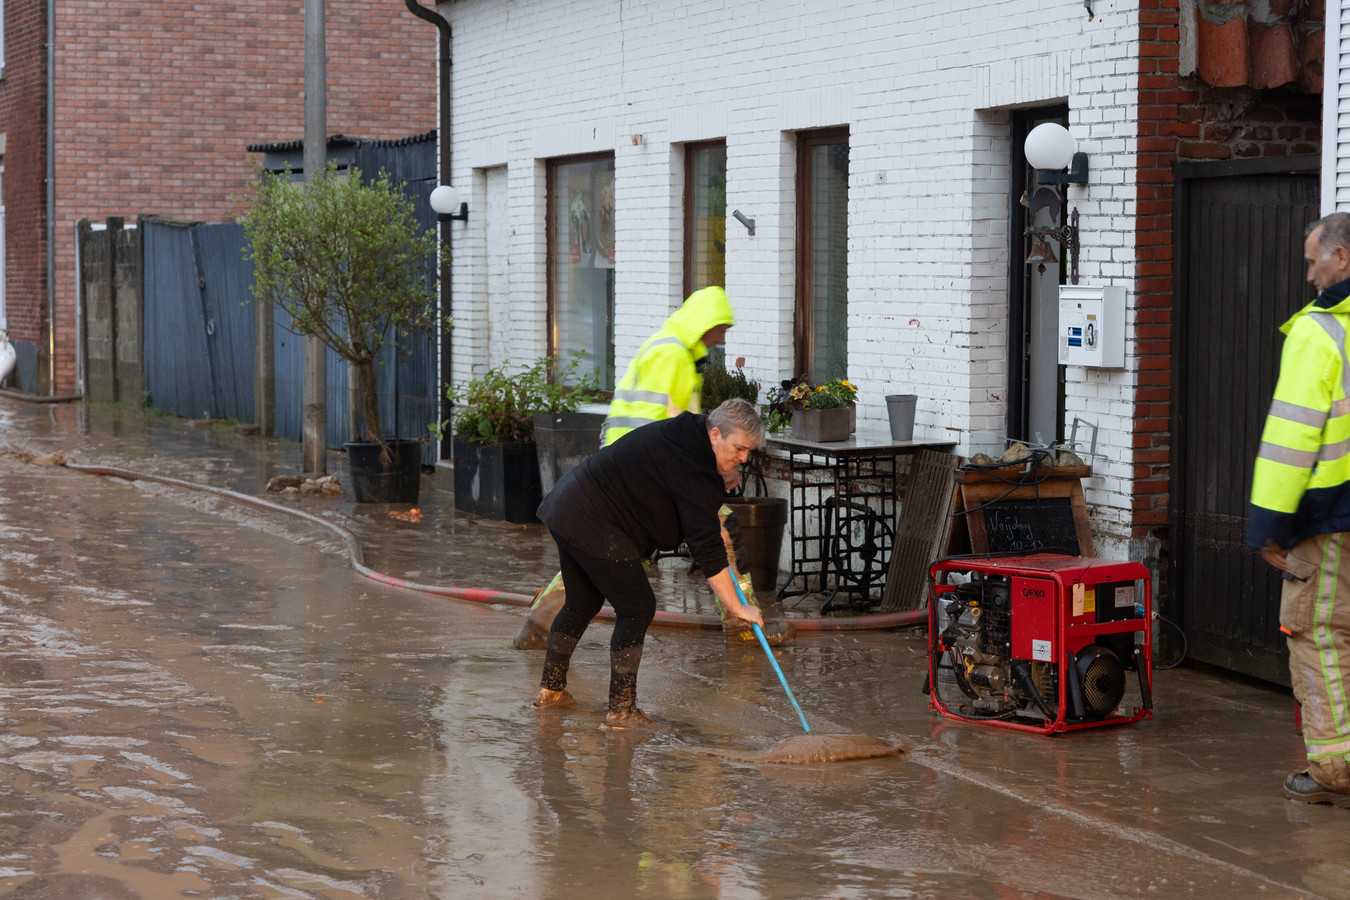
column 198, row 320
column 200, row 335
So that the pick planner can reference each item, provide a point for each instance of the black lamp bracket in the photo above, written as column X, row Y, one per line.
column 1077, row 173
column 462, row 215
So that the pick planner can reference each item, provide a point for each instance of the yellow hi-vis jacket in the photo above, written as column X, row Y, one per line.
column 663, row 380
column 1301, row 485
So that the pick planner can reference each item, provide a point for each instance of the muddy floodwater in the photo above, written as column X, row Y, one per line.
column 203, row 700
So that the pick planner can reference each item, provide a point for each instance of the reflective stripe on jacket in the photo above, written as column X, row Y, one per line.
column 1301, row 483
column 663, row 379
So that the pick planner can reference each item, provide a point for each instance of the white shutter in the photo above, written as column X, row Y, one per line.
column 1336, row 110
column 4, row 322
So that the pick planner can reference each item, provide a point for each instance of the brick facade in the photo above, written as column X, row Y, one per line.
column 1183, row 116
column 23, row 120
column 154, row 106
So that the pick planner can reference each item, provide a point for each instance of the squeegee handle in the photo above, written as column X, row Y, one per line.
column 764, row 642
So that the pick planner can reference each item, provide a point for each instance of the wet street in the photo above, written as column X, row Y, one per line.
column 203, row 699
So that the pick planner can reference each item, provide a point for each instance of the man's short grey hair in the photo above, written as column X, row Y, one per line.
column 738, row 416
column 1335, row 232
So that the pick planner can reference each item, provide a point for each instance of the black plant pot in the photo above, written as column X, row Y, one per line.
column 564, row 440
column 497, row 481
column 375, row 480
column 761, row 521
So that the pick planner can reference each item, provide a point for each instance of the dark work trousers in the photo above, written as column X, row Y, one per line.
column 589, row 582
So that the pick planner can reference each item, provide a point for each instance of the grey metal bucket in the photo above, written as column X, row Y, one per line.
column 900, row 410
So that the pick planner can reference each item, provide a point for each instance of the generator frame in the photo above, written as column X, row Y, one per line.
column 1051, row 616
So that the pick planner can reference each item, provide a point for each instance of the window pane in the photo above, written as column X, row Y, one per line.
column 582, row 268
column 827, row 182
column 707, row 224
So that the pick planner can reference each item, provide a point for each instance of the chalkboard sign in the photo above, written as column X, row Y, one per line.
column 992, row 512
column 1031, row 525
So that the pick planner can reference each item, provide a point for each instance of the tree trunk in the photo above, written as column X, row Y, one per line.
column 370, row 402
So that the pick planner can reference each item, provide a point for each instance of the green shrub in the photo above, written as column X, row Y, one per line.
column 498, row 405
column 720, row 385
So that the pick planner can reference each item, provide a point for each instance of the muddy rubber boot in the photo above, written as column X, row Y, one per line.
column 533, row 634
column 623, row 712
column 548, row 699
column 625, row 719
column 556, row 663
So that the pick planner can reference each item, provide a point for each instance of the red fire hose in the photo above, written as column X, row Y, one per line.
column 483, row 595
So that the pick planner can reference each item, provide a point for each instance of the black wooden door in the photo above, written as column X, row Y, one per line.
column 1239, row 266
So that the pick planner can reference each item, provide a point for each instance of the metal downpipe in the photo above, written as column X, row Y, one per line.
column 51, row 197
column 443, row 152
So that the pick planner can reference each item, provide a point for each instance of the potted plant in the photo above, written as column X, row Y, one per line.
column 816, row 412
column 493, row 442
column 349, row 263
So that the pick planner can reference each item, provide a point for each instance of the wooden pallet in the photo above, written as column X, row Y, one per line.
column 920, row 530
column 993, row 512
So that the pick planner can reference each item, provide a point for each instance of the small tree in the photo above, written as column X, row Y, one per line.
column 346, row 259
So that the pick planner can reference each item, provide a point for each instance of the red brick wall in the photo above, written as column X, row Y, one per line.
column 1160, row 129
column 1241, row 123
column 1182, row 118
column 156, row 102
column 23, row 119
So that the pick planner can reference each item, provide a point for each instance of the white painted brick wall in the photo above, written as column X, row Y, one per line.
column 925, row 90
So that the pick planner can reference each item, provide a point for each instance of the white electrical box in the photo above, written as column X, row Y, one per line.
column 1092, row 325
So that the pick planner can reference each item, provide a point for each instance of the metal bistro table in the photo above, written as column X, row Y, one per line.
column 843, row 499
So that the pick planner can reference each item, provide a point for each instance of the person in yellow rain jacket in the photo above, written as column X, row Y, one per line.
column 1300, row 511
column 666, row 378
column 663, row 380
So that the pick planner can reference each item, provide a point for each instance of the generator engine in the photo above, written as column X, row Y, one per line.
column 1041, row 643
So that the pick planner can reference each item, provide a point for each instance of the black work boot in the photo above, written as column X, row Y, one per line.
column 1301, row 786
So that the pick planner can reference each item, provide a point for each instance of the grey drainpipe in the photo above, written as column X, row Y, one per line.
column 51, row 197
column 443, row 145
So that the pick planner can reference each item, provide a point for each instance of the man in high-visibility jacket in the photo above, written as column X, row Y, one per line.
column 663, row 380
column 1300, row 512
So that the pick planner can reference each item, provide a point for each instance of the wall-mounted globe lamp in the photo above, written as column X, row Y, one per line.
column 1049, row 149
column 447, row 205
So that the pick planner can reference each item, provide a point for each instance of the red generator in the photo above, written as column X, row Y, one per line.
column 1039, row 642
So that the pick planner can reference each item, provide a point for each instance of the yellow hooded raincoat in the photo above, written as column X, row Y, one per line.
column 664, row 380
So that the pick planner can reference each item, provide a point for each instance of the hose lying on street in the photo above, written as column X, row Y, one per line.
column 905, row 619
